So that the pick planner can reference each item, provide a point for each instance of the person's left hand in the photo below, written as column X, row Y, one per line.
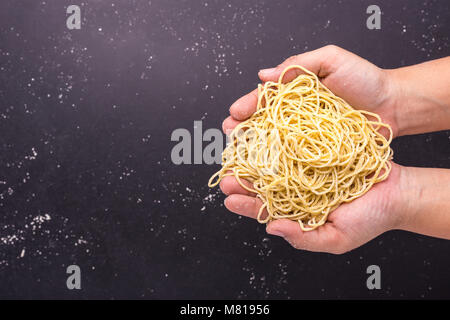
column 349, row 226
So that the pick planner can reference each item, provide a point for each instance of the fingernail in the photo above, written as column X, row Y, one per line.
column 235, row 105
column 275, row 233
column 226, row 202
column 266, row 72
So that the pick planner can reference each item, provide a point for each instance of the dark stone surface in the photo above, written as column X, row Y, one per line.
column 85, row 171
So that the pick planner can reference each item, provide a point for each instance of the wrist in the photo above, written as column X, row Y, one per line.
column 406, row 205
column 396, row 101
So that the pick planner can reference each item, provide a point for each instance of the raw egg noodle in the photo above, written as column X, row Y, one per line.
column 306, row 151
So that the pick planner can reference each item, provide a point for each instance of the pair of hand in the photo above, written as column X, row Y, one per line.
column 364, row 86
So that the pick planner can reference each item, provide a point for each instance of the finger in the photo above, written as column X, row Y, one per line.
column 245, row 106
column 325, row 238
column 322, row 62
column 244, row 205
column 229, row 185
column 229, row 124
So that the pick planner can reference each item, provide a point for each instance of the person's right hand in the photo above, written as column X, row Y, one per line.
column 362, row 84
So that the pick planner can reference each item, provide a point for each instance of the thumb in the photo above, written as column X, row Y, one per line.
column 325, row 238
column 322, row 62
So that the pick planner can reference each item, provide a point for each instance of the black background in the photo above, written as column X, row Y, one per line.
column 85, row 171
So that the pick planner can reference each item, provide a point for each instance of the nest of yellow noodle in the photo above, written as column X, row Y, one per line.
column 306, row 151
